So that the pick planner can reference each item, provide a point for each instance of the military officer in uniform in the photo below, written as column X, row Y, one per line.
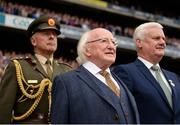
column 25, row 89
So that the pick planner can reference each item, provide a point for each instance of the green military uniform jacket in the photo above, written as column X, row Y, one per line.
column 10, row 91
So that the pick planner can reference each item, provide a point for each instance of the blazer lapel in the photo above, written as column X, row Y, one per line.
column 143, row 69
column 132, row 100
column 93, row 82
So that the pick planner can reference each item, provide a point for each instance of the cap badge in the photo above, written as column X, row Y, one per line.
column 51, row 22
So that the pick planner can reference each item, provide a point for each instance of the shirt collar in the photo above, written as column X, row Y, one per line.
column 147, row 63
column 43, row 59
column 92, row 68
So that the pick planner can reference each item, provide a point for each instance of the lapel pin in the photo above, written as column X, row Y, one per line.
column 171, row 82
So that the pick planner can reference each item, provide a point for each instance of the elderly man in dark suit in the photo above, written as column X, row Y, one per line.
column 25, row 89
column 156, row 90
column 91, row 93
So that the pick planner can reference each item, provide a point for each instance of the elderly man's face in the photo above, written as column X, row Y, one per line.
column 152, row 47
column 101, row 48
column 45, row 41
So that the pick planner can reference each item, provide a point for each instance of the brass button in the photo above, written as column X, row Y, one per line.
column 40, row 116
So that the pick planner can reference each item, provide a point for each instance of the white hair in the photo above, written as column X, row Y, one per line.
column 141, row 30
column 81, row 48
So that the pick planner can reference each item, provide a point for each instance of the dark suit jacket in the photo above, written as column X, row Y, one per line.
column 151, row 101
column 10, row 91
column 77, row 98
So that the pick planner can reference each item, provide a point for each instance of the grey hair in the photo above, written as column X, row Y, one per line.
column 141, row 30
column 81, row 48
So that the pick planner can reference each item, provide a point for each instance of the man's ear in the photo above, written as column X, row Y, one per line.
column 138, row 43
column 32, row 39
column 87, row 51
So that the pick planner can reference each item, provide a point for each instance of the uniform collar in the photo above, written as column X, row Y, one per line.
column 43, row 59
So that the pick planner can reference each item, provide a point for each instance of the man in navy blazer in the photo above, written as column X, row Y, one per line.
column 140, row 78
column 82, row 96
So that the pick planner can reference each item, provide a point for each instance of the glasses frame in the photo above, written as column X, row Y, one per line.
column 106, row 40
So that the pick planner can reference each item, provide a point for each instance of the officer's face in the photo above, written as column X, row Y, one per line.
column 44, row 42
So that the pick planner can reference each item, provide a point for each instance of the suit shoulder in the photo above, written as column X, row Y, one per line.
column 170, row 72
column 121, row 66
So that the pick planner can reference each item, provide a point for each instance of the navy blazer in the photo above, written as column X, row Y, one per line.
column 152, row 104
column 77, row 98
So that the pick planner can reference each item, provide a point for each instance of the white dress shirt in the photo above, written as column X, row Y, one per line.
column 149, row 65
column 93, row 69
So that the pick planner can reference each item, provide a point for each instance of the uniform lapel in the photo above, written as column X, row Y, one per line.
column 38, row 67
column 56, row 69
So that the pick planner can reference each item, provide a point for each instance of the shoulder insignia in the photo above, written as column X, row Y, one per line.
column 58, row 63
column 21, row 58
column 25, row 58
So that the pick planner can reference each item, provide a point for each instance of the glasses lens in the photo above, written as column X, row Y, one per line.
column 106, row 41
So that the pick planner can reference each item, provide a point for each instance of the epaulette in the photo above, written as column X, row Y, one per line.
column 26, row 58
column 63, row 63
column 21, row 58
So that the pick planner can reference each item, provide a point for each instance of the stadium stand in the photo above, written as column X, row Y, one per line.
column 119, row 16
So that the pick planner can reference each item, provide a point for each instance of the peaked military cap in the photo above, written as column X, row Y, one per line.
column 43, row 23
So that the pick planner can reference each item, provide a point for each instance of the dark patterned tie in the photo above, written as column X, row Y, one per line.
column 110, row 83
column 167, row 92
column 48, row 68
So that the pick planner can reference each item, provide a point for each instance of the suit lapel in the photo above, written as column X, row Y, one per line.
column 93, row 82
column 172, row 85
column 145, row 71
column 132, row 100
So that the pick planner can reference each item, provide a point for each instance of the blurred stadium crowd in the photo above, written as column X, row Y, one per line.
column 73, row 20
column 67, row 19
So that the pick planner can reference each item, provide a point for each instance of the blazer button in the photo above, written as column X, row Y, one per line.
column 116, row 117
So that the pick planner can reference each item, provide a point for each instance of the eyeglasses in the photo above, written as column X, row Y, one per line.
column 105, row 41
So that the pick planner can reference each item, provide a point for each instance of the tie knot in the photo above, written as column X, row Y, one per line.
column 104, row 73
column 48, row 62
column 110, row 82
column 155, row 68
